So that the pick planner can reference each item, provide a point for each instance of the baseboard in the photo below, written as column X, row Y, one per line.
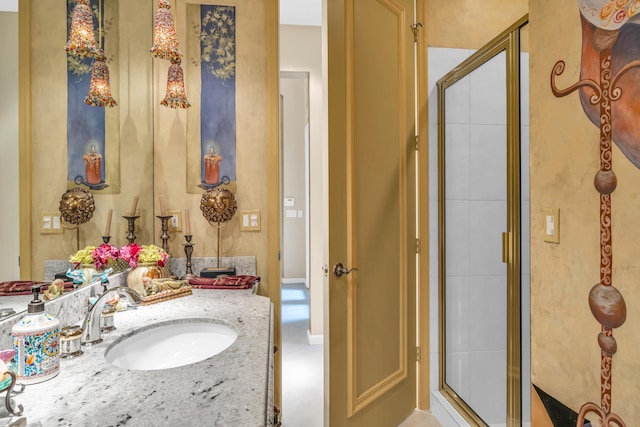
column 314, row 339
column 290, row 280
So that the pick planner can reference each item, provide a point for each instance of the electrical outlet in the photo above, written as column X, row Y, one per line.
column 175, row 222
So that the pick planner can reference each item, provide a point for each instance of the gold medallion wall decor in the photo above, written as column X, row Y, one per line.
column 608, row 56
column 76, row 207
column 218, row 205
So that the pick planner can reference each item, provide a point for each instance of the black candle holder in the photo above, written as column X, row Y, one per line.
column 165, row 228
column 106, row 239
column 188, row 250
column 132, row 226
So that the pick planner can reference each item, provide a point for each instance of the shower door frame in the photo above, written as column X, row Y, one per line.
column 509, row 42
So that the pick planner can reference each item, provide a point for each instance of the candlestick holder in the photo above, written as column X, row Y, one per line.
column 165, row 228
column 132, row 225
column 188, row 250
column 106, row 239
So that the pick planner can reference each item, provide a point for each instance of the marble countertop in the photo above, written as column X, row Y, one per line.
column 228, row 389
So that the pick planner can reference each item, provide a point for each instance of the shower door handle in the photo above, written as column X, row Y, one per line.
column 506, row 247
column 339, row 270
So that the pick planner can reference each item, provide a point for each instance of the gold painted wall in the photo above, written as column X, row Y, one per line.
column 173, row 130
column 153, row 141
column 470, row 24
column 564, row 159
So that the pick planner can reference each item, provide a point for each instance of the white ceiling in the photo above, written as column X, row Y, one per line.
column 292, row 12
column 301, row 12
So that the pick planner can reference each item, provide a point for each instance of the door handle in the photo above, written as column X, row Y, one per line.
column 339, row 270
column 506, row 247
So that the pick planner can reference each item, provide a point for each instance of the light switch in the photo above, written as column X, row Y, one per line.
column 289, row 201
column 291, row 213
column 551, row 225
column 250, row 221
column 50, row 222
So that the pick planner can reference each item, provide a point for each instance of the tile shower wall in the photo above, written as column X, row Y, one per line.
column 475, row 140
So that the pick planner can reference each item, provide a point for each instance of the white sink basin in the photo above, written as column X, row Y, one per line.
column 170, row 344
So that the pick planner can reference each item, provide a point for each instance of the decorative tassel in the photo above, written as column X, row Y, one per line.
column 82, row 40
column 99, row 89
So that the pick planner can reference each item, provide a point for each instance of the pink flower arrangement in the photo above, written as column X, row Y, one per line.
column 104, row 254
column 145, row 254
column 130, row 253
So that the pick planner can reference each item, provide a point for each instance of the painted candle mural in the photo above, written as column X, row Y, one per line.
column 608, row 89
column 85, row 124
column 218, row 102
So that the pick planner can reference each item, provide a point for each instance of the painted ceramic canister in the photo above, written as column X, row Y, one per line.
column 36, row 340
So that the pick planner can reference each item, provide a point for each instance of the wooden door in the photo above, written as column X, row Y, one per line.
column 372, row 310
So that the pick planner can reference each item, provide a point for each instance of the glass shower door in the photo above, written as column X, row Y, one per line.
column 475, row 206
column 479, row 202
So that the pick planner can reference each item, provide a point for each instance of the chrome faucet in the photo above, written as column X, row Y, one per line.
column 91, row 324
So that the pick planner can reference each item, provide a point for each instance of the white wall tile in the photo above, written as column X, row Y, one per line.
column 488, row 313
column 434, row 314
column 441, row 61
column 457, row 313
column 488, row 220
column 487, row 385
column 458, row 238
column 524, row 88
column 456, row 102
column 488, row 162
column 525, row 241
column 458, row 371
column 433, row 163
column 488, row 92
column 524, row 164
column 457, row 162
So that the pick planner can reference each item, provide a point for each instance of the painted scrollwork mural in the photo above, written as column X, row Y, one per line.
column 610, row 68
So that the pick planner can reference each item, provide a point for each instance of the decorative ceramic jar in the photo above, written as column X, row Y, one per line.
column 88, row 271
column 135, row 278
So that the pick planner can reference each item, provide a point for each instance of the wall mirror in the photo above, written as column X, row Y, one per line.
column 127, row 30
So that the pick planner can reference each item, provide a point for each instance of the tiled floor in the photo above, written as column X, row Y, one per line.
column 302, row 367
column 302, row 364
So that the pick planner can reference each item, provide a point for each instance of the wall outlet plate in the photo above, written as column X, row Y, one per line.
column 250, row 221
column 551, row 224
column 175, row 222
column 51, row 223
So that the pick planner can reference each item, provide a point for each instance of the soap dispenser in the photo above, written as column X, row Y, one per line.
column 36, row 342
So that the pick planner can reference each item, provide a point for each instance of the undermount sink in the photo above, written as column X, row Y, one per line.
column 170, row 344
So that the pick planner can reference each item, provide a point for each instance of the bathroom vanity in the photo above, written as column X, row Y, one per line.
column 232, row 388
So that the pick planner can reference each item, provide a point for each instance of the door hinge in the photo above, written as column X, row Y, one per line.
column 418, row 354
column 414, row 28
column 417, row 246
column 417, row 142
